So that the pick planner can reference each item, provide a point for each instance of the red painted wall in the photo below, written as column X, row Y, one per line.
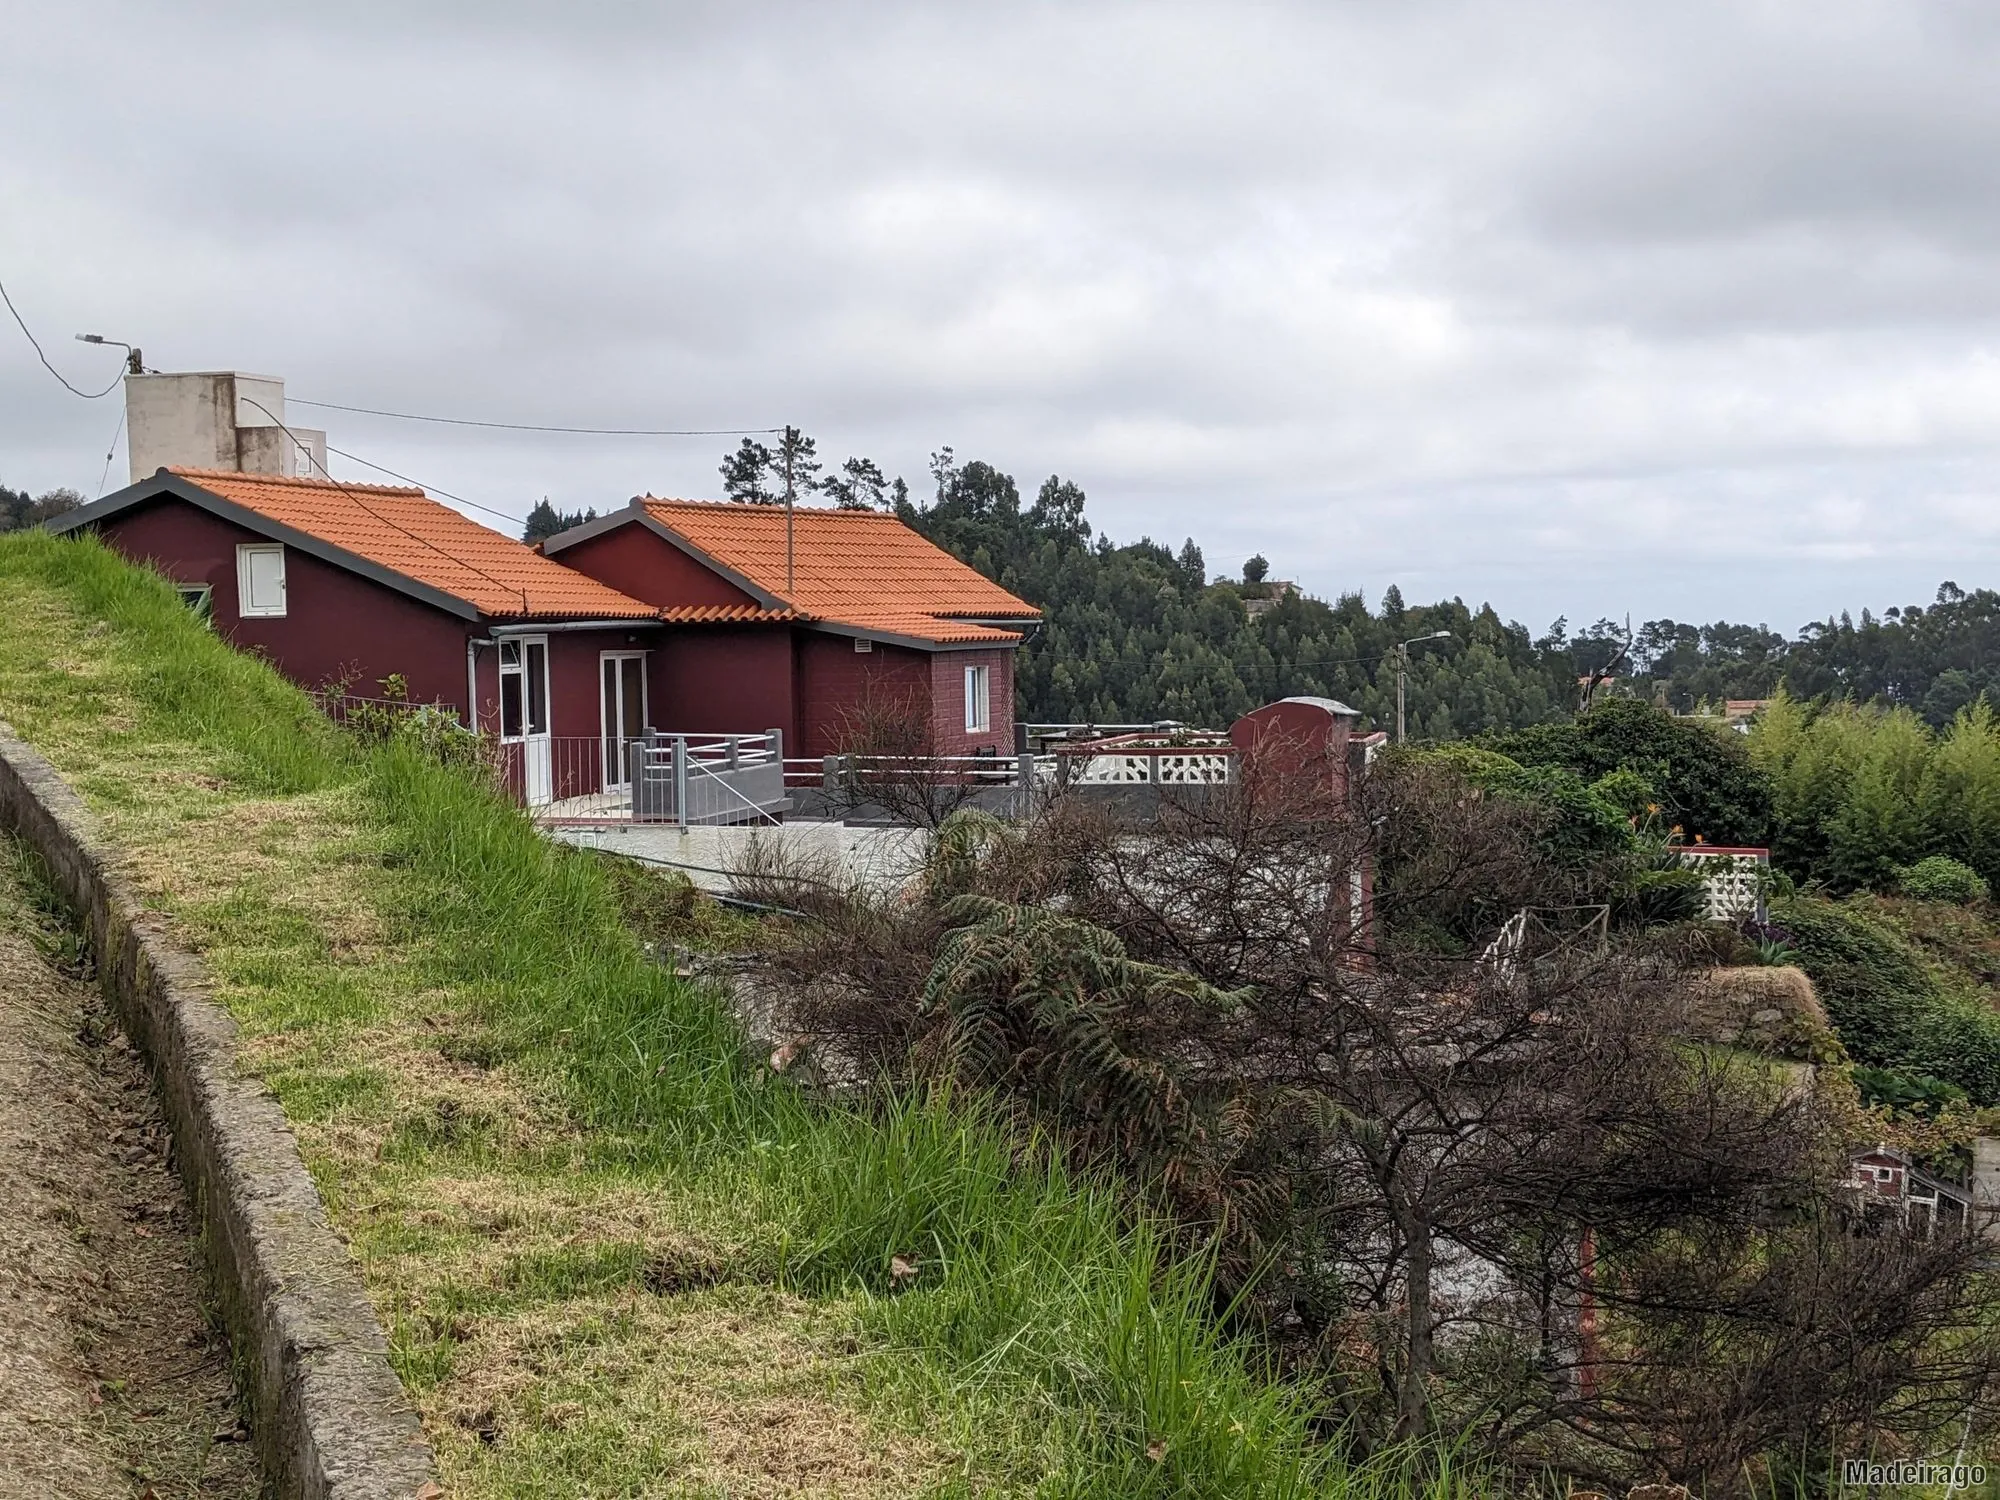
column 638, row 562
column 743, row 681
column 336, row 622
column 724, row 679
column 1295, row 736
column 834, row 680
column 948, row 702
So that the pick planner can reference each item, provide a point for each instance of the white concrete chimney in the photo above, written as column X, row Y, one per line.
column 217, row 420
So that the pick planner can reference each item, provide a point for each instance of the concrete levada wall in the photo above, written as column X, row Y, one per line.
column 330, row 1418
column 883, row 859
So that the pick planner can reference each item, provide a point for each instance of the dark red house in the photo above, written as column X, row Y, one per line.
column 358, row 582
column 799, row 622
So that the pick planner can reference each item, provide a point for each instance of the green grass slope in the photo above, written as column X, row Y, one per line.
column 617, row 1255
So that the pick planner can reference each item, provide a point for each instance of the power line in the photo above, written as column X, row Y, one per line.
column 105, row 477
column 87, row 395
column 407, row 416
column 430, row 488
column 422, row 541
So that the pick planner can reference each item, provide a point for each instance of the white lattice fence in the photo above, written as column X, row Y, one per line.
column 1178, row 769
column 1735, row 880
column 1191, row 770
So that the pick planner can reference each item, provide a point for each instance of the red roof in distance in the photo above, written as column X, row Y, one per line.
column 863, row 569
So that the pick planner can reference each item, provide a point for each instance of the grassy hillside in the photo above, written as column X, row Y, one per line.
column 616, row 1255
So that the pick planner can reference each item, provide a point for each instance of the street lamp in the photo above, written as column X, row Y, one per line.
column 1403, row 669
column 134, row 360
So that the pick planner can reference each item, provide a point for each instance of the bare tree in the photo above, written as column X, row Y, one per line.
column 891, row 764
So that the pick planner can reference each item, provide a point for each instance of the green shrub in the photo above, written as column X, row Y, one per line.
column 1657, row 898
column 1913, row 1092
column 1941, row 878
column 1580, row 826
column 1703, row 775
column 1888, row 1009
column 1629, row 792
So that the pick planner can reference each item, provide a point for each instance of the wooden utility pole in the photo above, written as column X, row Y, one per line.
column 1402, row 674
column 791, row 449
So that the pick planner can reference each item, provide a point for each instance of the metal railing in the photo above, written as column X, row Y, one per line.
column 1046, row 736
column 1095, row 763
column 596, row 778
column 708, row 778
column 650, row 778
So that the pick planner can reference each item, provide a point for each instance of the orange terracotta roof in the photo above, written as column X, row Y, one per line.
column 857, row 568
column 725, row 614
column 408, row 533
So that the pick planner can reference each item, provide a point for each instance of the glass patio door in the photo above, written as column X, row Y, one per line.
column 524, row 713
column 623, row 708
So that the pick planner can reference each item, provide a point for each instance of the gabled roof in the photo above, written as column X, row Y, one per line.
column 853, row 572
column 397, row 536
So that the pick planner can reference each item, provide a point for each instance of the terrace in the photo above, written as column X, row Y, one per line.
column 710, row 779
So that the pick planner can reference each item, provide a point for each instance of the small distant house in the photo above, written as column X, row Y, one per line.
column 1274, row 591
column 809, row 620
column 365, row 584
column 1887, row 1178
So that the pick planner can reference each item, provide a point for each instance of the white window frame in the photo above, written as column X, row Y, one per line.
column 245, row 606
column 978, row 699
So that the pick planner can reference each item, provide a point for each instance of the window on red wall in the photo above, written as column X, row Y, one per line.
column 978, row 700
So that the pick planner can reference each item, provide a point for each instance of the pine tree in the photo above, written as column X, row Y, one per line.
column 545, row 520
column 746, row 475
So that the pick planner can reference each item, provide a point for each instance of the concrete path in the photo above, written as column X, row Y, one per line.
column 112, row 1381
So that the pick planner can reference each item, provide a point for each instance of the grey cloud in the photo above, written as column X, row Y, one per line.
column 1586, row 307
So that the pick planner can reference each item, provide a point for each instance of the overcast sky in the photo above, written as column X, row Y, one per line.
column 1669, row 309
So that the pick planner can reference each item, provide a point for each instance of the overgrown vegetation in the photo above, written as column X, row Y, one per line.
column 1859, row 793
column 20, row 510
column 616, row 1252
column 1414, row 1171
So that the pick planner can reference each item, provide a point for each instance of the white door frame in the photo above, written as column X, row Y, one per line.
column 610, row 721
column 530, row 733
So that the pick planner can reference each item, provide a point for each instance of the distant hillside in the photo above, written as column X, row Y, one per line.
column 1139, row 632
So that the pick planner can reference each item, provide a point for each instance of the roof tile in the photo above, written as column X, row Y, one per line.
column 859, row 568
column 725, row 614
column 407, row 532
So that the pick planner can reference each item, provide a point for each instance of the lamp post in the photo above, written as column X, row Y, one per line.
column 1403, row 670
column 135, row 362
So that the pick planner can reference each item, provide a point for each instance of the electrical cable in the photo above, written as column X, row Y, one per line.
column 406, row 416
column 427, row 488
column 423, row 541
column 105, row 477
column 87, row 395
